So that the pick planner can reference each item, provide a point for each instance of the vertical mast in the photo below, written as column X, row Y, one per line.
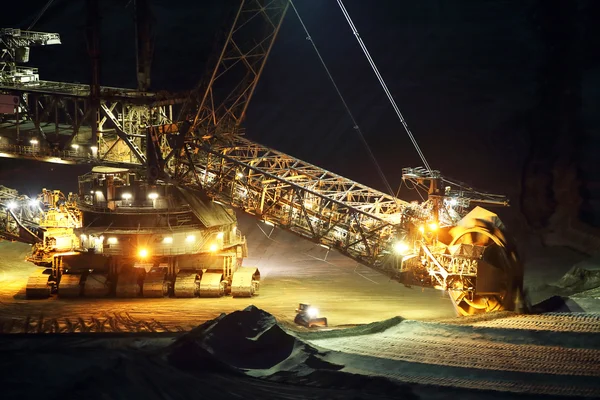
column 144, row 43
column 93, row 46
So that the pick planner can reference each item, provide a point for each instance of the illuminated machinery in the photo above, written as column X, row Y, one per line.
column 439, row 242
column 452, row 246
column 47, row 223
column 128, row 238
column 153, row 240
column 14, row 49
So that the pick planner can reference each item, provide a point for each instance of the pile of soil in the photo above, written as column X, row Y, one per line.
column 578, row 279
column 581, row 281
column 251, row 343
column 242, row 341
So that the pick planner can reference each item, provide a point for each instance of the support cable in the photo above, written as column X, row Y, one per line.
column 384, row 86
column 37, row 18
column 355, row 124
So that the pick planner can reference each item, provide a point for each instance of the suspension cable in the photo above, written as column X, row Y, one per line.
column 37, row 18
column 354, row 123
column 383, row 85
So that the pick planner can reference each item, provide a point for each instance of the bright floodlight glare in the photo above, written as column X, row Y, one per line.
column 98, row 192
column 11, row 205
column 126, row 196
column 422, row 229
column 33, row 141
column 213, row 247
column 143, row 253
column 453, row 202
column 75, row 146
column 190, row 238
column 220, row 235
column 153, row 196
column 400, row 248
column 312, row 312
column 168, row 240
column 112, row 240
column 433, row 227
column 33, row 202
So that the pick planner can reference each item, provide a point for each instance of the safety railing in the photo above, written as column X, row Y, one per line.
column 37, row 151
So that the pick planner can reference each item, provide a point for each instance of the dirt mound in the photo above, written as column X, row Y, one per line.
column 579, row 279
column 250, row 342
column 246, row 340
column 577, row 282
column 556, row 304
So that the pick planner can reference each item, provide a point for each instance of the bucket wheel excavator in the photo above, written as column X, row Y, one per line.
column 155, row 216
column 498, row 283
column 453, row 244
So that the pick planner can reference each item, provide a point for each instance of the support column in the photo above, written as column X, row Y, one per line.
column 93, row 43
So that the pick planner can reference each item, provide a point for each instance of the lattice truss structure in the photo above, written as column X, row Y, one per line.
column 53, row 112
column 14, row 48
column 220, row 101
column 295, row 195
column 122, row 129
column 19, row 215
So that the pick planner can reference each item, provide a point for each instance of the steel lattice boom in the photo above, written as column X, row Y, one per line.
column 220, row 103
column 297, row 196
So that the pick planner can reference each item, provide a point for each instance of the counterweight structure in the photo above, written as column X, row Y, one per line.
column 183, row 148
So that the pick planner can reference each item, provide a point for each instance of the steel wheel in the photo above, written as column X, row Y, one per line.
column 499, row 260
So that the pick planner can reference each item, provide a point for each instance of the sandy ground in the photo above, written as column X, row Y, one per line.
column 292, row 271
column 468, row 358
column 420, row 349
column 498, row 357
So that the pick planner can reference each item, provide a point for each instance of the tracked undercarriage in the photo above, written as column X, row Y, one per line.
column 127, row 238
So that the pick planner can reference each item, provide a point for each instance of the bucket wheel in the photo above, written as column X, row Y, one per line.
column 499, row 279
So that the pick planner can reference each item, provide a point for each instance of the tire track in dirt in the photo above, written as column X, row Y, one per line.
column 443, row 356
column 558, row 322
column 589, row 323
column 471, row 354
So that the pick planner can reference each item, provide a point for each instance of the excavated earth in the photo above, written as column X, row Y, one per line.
column 396, row 342
column 247, row 354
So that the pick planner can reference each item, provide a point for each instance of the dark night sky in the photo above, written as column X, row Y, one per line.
column 464, row 74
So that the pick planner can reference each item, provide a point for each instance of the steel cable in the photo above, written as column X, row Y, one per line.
column 383, row 85
column 37, row 18
column 355, row 124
